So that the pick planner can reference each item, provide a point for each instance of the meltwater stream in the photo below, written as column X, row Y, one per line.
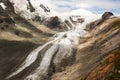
column 61, row 47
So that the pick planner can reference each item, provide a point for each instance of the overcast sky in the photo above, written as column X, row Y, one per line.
column 95, row 6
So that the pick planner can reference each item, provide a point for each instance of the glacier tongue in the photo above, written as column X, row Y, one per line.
column 62, row 44
column 62, row 48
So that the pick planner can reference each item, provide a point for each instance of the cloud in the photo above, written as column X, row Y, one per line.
column 104, row 5
column 107, row 4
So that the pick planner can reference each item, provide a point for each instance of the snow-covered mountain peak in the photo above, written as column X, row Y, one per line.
column 29, row 8
column 43, row 9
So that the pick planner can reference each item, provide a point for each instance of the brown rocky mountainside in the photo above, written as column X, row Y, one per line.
column 98, row 54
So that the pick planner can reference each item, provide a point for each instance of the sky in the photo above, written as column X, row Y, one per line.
column 95, row 6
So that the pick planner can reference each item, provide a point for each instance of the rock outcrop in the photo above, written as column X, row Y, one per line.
column 32, row 9
column 53, row 22
column 45, row 8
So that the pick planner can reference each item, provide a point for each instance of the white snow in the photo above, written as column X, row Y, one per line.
column 2, row 5
column 21, row 8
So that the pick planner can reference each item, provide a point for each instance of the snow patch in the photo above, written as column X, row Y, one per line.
column 3, row 6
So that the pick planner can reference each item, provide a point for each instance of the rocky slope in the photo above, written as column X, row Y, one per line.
column 29, row 51
column 97, row 54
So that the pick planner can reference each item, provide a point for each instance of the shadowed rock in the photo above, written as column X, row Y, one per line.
column 68, row 23
column 32, row 9
column 46, row 9
column 52, row 22
column 107, row 15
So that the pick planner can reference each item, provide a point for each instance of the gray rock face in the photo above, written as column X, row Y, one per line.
column 37, row 18
column 107, row 15
column 52, row 22
column 68, row 23
column 46, row 9
column 32, row 9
